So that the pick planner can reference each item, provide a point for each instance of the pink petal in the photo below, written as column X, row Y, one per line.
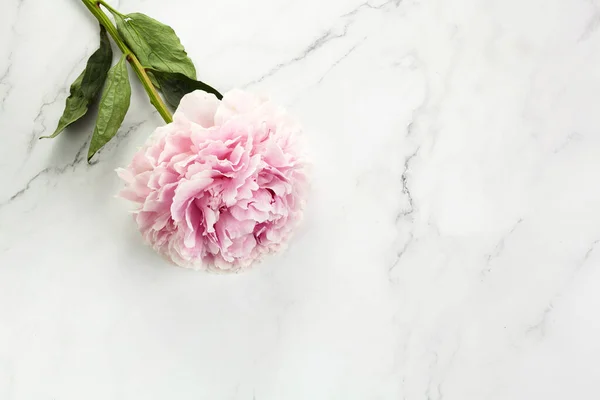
column 198, row 107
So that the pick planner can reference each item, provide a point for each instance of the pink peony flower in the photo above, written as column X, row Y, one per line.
column 221, row 185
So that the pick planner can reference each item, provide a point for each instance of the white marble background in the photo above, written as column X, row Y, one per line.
column 450, row 246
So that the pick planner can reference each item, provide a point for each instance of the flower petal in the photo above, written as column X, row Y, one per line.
column 198, row 107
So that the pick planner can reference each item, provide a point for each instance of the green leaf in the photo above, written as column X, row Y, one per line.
column 155, row 44
column 174, row 86
column 87, row 85
column 113, row 106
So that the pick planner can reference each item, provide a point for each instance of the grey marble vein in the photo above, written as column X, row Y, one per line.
column 499, row 247
column 319, row 42
column 79, row 157
column 339, row 60
column 474, row 145
column 5, row 82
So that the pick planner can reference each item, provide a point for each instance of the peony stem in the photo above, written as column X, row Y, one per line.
column 94, row 7
column 108, row 7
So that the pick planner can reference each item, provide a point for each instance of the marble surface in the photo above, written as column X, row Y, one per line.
column 450, row 249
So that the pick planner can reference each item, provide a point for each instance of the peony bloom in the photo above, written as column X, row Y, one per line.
column 221, row 185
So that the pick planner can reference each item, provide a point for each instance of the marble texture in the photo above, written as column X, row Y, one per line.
column 451, row 244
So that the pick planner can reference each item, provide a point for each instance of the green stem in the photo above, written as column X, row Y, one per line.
column 94, row 7
column 109, row 8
